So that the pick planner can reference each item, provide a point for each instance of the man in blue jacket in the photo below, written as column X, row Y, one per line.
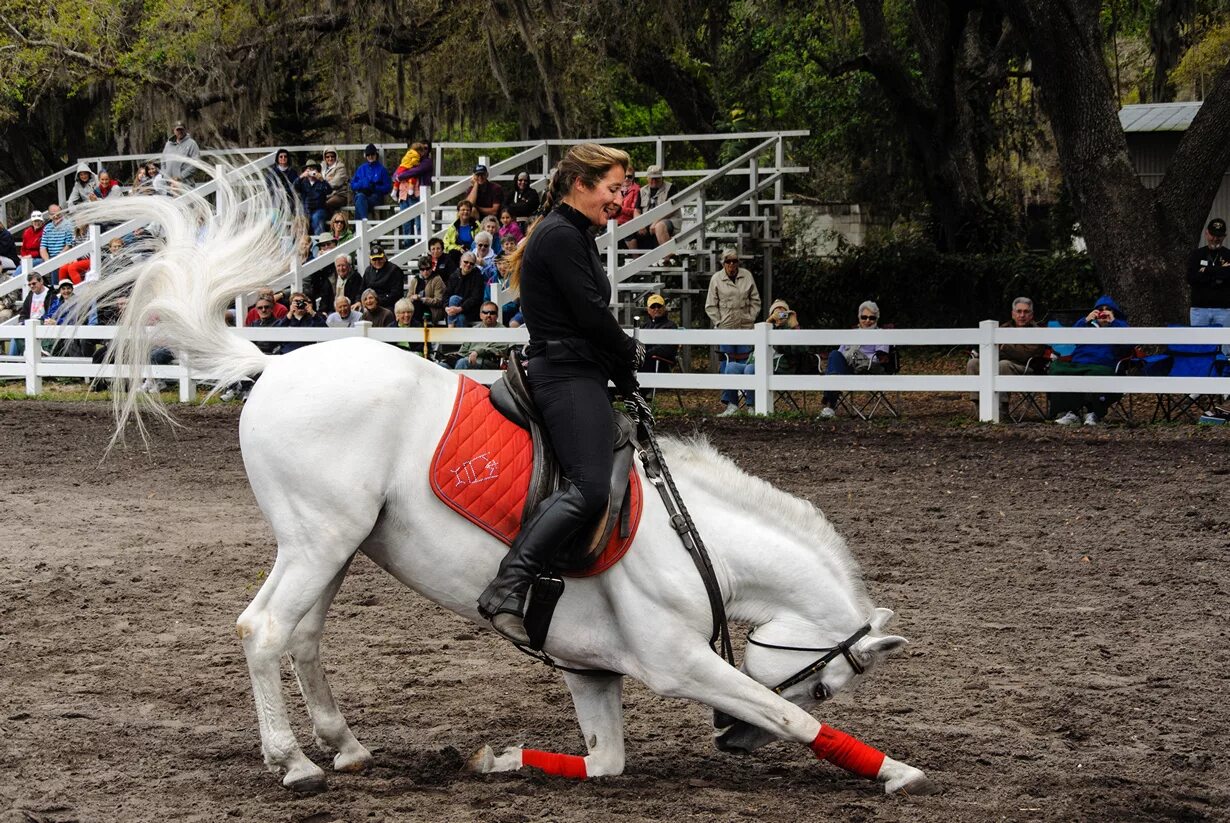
column 1090, row 359
column 370, row 183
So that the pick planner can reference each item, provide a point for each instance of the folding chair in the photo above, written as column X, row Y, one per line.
column 797, row 360
column 1185, row 360
column 1022, row 406
column 864, row 404
column 660, row 365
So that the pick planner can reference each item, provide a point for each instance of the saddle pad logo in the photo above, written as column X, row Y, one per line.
column 478, row 469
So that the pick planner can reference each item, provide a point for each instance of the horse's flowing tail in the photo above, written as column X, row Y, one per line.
column 173, row 284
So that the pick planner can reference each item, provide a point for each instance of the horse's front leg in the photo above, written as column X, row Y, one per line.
column 705, row 677
column 599, row 706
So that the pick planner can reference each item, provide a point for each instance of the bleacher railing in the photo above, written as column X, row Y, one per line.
column 988, row 384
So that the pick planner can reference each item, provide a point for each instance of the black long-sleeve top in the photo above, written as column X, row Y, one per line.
column 469, row 287
column 1209, row 276
column 565, row 297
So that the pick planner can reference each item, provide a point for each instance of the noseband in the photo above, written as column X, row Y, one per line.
column 830, row 654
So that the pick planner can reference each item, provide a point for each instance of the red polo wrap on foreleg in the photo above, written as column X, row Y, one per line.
column 564, row 765
column 842, row 750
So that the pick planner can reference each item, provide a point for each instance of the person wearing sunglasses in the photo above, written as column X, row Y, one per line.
column 485, row 355
column 523, row 201
column 852, row 358
column 465, row 292
column 733, row 302
column 336, row 175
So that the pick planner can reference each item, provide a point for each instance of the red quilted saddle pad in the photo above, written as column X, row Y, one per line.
column 481, row 470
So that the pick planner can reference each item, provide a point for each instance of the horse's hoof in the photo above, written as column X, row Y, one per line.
column 482, row 761
column 919, row 786
column 352, row 761
column 307, row 784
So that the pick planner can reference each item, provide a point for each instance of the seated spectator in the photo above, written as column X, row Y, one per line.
column 9, row 258
column 459, row 237
column 508, row 294
column 630, row 196
column 32, row 237
column 83, row 186
column 509, row 228
column 37, row 301
column 283, row 174
column 523, row 202
column 651, row 196
column 789, row 359
column 342, row 316
column 659, row 357
column 403, row 318
column 385, row 278
column 490, row 226
column 314, row 191
column 484, row 256
column 276, row 309
column 54, row 313
column 464, row 293
column 370, row 183
column 1017, row 358
column 487, row 196
column 374, row 313
column 340, row 281
column 58, row 235
column 264, row 317
column 476, row 355
column 105, row 187
column 338, row 178
column 301, row 316
column 1090, row 359
column 339, row 227
column 854, row 359
column 439, row 260
column 427, row 295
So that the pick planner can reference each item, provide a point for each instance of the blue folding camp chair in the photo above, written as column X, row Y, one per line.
column 1183, row 360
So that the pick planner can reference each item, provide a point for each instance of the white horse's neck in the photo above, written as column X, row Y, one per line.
column 776, row 555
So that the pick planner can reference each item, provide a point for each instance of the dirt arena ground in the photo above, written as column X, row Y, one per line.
column 1063, row 590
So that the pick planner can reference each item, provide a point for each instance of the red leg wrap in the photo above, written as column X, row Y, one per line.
column 564, row 765
column 842, row 750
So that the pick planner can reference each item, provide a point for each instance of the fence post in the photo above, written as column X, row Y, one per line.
column 95, row 252
column 426, row 224
column 296, row 278
column 34, row 357
column 658, row 153
column 364, row 326
column 438, row 168
column 763, row 353
column 364, row 260
column 187, row 385
column 612, row 261
column 61, row 194
column 988, row 370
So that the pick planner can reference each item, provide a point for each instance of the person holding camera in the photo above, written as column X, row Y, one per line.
column 1090, row 359
column 301, row 316
column 314, row 191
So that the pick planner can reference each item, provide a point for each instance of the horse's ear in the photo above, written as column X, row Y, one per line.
column 880, row 619
column 884, row 646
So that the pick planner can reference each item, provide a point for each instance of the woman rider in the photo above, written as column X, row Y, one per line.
column 575, row 346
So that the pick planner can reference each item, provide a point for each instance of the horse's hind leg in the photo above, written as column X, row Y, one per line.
column 294, row 586
column 599, row 704
column 330, row 728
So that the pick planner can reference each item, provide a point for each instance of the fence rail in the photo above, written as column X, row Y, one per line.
column 988, row 384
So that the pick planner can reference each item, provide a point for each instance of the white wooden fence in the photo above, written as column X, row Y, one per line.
column 35, row 364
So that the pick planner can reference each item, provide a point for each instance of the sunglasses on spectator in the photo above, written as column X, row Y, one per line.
column 868, row 317
column 486, row 311
column 483, row 245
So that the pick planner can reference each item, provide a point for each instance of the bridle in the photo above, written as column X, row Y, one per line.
column 819, row 691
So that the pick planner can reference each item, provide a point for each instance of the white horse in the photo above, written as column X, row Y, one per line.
column 782, row 567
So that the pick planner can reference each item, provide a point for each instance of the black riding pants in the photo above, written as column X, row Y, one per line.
column 576, row 412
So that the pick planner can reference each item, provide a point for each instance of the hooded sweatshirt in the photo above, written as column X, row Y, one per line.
column 1103, row 354
column 82, row 191
column 336, row 175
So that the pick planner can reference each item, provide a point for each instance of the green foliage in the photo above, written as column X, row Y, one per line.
column 915, row 285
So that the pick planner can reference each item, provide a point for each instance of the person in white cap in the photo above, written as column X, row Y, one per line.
column 651, row 196
column 32, row 237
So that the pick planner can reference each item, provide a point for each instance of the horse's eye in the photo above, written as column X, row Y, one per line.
column 820, row 691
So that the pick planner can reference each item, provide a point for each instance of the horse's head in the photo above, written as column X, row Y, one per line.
column 784, row 654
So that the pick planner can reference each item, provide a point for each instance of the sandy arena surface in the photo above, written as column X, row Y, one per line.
column 1063, row 590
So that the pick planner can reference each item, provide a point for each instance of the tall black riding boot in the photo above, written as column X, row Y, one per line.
column 554, row 523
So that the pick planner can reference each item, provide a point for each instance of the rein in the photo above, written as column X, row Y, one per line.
column 830, row 654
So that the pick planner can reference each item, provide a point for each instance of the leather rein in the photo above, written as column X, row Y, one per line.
column 831, row 653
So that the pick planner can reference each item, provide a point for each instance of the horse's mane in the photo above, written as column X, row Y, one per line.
column 720, row 476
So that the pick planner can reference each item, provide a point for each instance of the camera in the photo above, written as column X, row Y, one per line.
column 782, row 315
column 299, row 304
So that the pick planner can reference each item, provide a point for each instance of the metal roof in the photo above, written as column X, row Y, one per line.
column 1158, row 116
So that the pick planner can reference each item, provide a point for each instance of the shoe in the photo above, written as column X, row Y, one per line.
column 228, row 395
column 1069, row 419
column 1091, row 419
column 827, row 413
column 512, row 627
column 730, row 409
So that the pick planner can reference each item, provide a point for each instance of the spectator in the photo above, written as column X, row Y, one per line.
column 476, row 355
column 53, row 313
column 58, row 235
column 412, row 174
column 283, row 173
column 733, row 302
column 276, row 310
column 314, row 192
column 487, row 197
column 335, row 174
column 850, row 358
column 523, row 202
column 1016, row 358
column 32, row 237
column 9, row 259
column 484, row 255
column 339, row 227
column 37, row 301
column 427, row 294
column 301, row 316
column 509, row 228
column 659, row 357
column 789, row 359
column 403, row 318
column 370, row 183
column 508, row 294
column 385, row 278
column 459, row 237
column 105, row 186
column 180, row 147
column 1208, row 274
column 83, row 186
column 464, row 293
column 439, row 260
column 491, row 227
column 1090, row 359
column 631, row 194
column 374, row 313
column 323, row 244
column 651, row 196
column 343, row 315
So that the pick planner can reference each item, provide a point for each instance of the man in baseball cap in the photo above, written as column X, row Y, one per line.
column 487, row 197
column 1208, row 274
column 659, row 357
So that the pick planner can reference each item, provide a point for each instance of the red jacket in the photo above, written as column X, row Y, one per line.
column 31, row 239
